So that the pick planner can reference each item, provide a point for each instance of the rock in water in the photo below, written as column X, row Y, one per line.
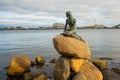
column 90, row 71
column 100, row 64
column 79, row 76
column 40, row 60
column 42, row 77
column 19, row 65
column 32, row 75
column 110, row 75
column 69, row 46
column 116, row 70
column 33, row 63
column 62, row 69
column 53, row 61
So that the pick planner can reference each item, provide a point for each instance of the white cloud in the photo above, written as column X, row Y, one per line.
column 51, row 11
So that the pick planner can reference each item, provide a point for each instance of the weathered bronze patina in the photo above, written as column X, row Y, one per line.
column 71, row 22
column 70, row 27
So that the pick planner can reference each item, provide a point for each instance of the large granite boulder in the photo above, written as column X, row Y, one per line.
column 62, row 69
column 90, row 71
column 19, row 65
column 69, row 46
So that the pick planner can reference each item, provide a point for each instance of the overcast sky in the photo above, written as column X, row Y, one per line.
column 47, row 12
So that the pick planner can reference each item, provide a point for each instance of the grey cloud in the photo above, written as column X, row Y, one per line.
column 82, row 9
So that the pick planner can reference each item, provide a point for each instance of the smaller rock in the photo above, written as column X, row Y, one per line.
column 42, row 77
column 19, row 65
column 100, row 64
column 53, row 61
column 33, row 63
column 32, row 75
column 40, row 60
column 79, row 76
column 62, row 69
column 6, row 67
column 75, row 64
column 106, row 58
column 116, row 70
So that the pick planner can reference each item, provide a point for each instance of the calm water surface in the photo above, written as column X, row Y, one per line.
column 102, row 43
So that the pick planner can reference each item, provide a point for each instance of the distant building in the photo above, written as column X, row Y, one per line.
column 58, row 25
column 99, row 26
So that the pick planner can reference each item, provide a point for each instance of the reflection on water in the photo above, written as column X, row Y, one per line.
column 101, row 42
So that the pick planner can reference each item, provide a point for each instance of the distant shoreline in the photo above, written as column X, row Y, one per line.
column 55, row 29
column 59, row 26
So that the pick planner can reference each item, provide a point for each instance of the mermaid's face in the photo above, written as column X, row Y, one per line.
column 68, row 15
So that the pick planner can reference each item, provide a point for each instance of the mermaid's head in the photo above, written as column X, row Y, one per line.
column 69, row 14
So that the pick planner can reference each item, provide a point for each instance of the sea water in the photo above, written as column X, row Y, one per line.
column 102, row 43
